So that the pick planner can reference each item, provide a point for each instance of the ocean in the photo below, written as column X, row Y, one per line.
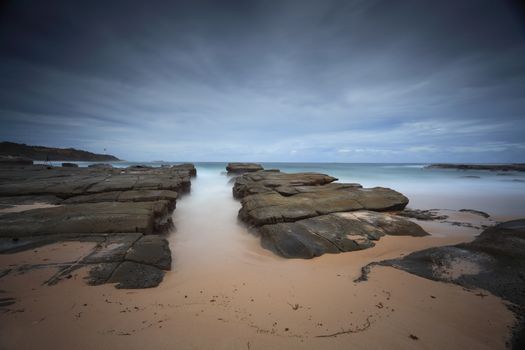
column 501, row 194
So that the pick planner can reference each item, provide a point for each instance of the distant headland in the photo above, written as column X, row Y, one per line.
column 13, row 149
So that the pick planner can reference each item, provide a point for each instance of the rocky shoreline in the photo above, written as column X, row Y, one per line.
column 124, row 211
column 107, row 225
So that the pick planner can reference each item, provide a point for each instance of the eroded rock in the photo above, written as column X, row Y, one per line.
column 304, row 215
column 334, row 233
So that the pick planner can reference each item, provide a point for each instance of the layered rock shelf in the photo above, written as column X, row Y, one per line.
column 304, row 215
column 122, row 210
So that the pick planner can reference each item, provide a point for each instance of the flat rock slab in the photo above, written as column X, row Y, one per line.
column 334, row 233
column 105, row 217
column 239, row 168
column 125, row 196
column 273, row 207
column 268, row 181
column 65, row 182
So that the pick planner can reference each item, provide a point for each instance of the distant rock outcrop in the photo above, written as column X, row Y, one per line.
column 239, row 168
column 491, row 167
column 52, row 154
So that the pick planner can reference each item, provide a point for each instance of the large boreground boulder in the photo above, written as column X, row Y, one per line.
column 334, row 233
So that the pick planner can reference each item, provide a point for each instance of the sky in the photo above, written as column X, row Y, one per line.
column 296, row 81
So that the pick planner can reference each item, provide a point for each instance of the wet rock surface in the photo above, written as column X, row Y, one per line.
column 122, row 210
column 239, row 168
column 151, row 250
column 304, row 215
column 334, row 233
column 122, row 258
column 494, row 261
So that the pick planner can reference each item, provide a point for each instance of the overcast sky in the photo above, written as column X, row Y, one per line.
column 328, row 81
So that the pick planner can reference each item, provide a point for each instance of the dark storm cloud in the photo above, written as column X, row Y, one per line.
column 260, row 80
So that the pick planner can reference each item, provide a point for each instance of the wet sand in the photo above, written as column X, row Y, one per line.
column 226, row 292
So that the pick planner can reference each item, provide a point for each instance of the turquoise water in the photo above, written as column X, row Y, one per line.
column 497, row 193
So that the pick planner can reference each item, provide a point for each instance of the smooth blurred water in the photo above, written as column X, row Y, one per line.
column 498, row 193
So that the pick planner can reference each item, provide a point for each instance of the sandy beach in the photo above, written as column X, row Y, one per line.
column 226, row 292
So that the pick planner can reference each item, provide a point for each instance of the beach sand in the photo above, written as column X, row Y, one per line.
column 226, row 292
